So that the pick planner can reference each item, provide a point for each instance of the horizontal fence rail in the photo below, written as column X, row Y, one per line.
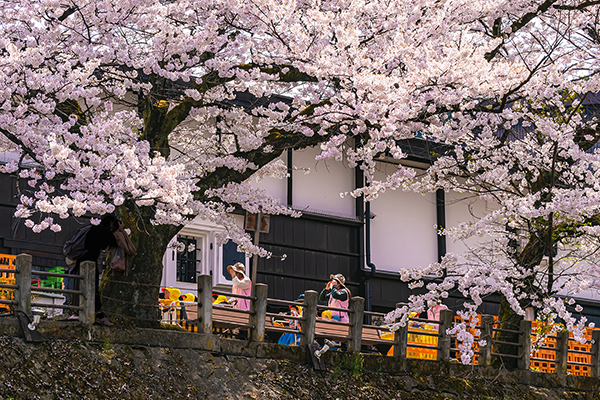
column 22, row 289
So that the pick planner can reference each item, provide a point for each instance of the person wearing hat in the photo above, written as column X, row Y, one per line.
column 219, row 299
column 241, row 285
column 288, row 338
column 337, row 295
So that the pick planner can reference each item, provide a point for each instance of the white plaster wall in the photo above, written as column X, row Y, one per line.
column 276, row 188
column 319, row 191
column 463, row 207
column 402, row 233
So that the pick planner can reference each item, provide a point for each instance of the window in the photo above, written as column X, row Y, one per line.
column 188, row 260
column 231, row 256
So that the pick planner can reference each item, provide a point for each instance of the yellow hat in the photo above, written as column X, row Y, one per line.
column 173, row 293
column 188, row 297
column 220, row 299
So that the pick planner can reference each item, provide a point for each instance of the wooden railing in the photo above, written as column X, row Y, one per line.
column 22, row 301
column 355, row 334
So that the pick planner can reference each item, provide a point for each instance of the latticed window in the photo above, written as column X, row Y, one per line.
column 188, row 260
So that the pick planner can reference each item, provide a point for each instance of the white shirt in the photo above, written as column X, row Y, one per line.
column 241, row 284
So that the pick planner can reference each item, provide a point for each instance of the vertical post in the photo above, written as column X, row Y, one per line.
column 400, row 339
column 23, row 280
column 255, row 257
column 440, row 212
column 487, row 331
column 310, row 318
column 525, row 342
column 595, row 359
column 204, row 305
column 562, row 350
column 88, row 287
column 357, row 308
column 259, row 306
column 446, row 319
column 290, row 182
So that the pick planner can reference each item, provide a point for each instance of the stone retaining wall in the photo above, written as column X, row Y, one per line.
column 75, row 362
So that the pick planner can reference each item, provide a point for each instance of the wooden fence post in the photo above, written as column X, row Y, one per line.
column 310, row 315
column 487, row 334
column 204, row 298
column 594, row 371
column 357, row 306
column 88, row 287
column 400, row 338
column 259, row 306
column 562, row 350
column 525, row 342
column 446, row 319
column 23, row 280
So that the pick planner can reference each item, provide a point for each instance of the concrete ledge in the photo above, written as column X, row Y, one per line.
column 181, row 339
column 9, row 326
column 296, row 354
column 156, row 338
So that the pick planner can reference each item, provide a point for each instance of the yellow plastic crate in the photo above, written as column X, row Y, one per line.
column 415, row 338
column 421, row 354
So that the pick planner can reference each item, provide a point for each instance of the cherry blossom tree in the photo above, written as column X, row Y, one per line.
column 135, row 107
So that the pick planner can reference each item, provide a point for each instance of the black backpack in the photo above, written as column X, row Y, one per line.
column 74, row 248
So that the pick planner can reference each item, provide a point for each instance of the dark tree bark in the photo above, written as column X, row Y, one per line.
column 133, row 299
column 529, row 257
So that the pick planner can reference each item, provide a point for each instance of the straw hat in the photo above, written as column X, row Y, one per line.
column 338, row 277
column 237, row 267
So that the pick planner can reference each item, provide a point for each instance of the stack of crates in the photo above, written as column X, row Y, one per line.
column 457, row 320
column 546, row 354
column 53, row 281
column 8, row 279
column 580, row 370
column 550, row 355
column 415, row 338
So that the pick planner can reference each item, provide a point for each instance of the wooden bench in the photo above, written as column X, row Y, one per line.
column 332, row 330
column 372, row 336
column 229, row 318
column 226, row 319
column 223, row 319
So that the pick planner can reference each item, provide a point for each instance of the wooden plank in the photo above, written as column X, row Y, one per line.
column 324, row 329
column 223, row 318
column 372, row 336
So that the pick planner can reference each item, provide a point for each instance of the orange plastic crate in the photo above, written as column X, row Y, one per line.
column 550, row 355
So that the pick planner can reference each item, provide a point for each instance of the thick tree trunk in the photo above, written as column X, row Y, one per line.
column 529, row 257
column 508, row 320
column 133, row 299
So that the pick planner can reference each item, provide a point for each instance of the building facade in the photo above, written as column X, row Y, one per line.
column 332, row 236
